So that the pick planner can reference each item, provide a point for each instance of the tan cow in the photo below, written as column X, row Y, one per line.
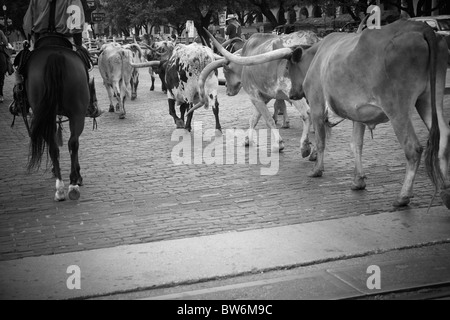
column 114, row 64
column 266, row 82
column 370, row 78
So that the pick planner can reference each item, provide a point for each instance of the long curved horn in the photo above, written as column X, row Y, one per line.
column 363, row 23
column 278, row 54
column 197, row 106
column 146, row 64
column 230, row 41
column 202, row 79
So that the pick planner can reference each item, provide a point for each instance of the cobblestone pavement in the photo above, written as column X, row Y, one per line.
column 134, row 193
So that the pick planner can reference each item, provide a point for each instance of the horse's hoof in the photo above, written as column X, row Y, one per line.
column 60, row 196
column 445, row 196
column 122, row 116
column 80, row 182
column 74, row 193
column 359, row 186
column 286, row 125
column 316, row 174
column 401, row 202
column 111, row 108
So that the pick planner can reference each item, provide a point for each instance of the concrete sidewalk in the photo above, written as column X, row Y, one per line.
column 168, row 263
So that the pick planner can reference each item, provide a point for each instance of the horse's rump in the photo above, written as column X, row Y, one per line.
column 56, row 84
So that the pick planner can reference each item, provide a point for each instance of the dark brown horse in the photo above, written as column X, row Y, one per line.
column 3, row 70
column 57, row 84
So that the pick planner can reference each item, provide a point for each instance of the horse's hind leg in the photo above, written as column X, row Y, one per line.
column 54, row 155
column 76, row 128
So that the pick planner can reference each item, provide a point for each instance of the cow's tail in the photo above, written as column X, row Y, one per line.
column 127, row 70
column 432, row 152
column 43, row 124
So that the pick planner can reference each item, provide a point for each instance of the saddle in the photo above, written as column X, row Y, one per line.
column 20, row 105
column 52, row 40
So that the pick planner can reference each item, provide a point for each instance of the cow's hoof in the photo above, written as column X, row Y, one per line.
column 313, row 156
column 445, row 196
column 179, row 123
column 286, row 125
column 402, row 202
column 278, row 147
column 111, row 109
column 316, row 174
column 74, row 193
column 306, row 150
column 358, row 185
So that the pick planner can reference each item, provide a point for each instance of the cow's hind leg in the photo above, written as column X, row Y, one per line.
column 305, row 144
column 404, row 131
column 423, row 107
column 359, row 182
column 321, row 135
column 178, row 122
column 277, row 142
column 183, row 109
column 122, row 107
column 152, row 88
column 215, row 110
column 109, row 90
column 249, row 140
column 279, row 107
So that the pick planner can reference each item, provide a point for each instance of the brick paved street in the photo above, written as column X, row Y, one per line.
column 133, row 192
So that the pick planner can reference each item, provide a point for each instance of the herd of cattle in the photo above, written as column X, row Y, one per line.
column 369, row 77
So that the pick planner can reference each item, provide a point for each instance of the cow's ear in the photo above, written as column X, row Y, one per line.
column 297, row 55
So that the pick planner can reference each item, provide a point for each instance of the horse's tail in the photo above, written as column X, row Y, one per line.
column 43, row 125
column 432, row 152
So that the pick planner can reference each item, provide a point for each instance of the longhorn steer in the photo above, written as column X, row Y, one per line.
column 182, row 74
column 115, row 68
column 375, row 77
column 265, row 82
column 182, row 78
column 137, row 56
column 162, row 51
